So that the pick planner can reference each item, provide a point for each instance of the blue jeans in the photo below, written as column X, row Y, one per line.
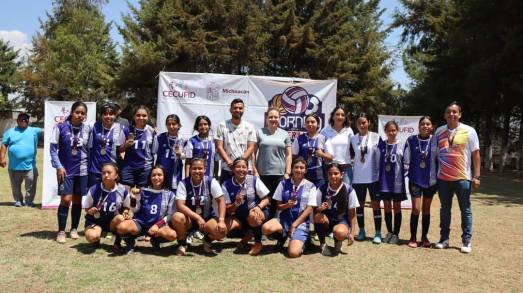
column 462, row 188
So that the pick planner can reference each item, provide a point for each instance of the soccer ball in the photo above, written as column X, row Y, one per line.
column 295, row 100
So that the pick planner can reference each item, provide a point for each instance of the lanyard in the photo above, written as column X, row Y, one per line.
column 197, row 196
column 101, row 201
column 363, row 148
column 390, row 153
column 424, row 151
column 75, row 136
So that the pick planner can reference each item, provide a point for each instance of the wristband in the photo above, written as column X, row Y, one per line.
column 160, row 223
column 476, row 177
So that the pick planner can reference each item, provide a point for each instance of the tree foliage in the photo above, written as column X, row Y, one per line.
column 298, row 38
column 9, row 65
column 73, row 57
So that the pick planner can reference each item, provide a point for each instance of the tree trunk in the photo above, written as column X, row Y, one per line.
column 505, row 141
column 489, row 164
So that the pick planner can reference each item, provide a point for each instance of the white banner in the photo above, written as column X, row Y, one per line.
column 191, row 94
column 408, row 125
column 56, row 112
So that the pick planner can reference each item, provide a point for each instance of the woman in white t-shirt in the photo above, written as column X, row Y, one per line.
column 364, row 151
column 338, row 134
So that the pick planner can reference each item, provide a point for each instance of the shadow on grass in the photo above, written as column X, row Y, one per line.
column 498, row 189
column 87, row 248
column 40, row 234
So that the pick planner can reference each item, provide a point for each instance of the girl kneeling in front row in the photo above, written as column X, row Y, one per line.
column 201, row 206
column 248, row 196
column 295, row 197
column 106, row 205
column 154, row 208
column 336, row 211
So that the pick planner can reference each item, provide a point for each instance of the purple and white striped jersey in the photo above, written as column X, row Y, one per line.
column 391, row 177
column 419, row 150
column 69, row 148
column 164, row 147
column 140, row 155
column 103, row 145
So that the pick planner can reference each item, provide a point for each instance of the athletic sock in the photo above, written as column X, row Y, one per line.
column 425, row 223
column 397, row 223
column 321, row 230
column 76, row 212
column 63, row 212
column 413, row 226
column 257, row 234
column 207, row 239
column 377, row 220
column 360, row 216
column 182, row 242
column 388, row 221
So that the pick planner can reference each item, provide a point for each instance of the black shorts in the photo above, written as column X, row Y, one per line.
column 417, row 191
column 393, row 196
column 361, row 191
column 104, row 223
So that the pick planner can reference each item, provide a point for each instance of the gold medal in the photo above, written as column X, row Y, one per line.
column 422, row 164
column 198, row 210
column 388, row 167
column 103, row 151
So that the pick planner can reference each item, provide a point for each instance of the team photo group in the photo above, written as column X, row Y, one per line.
column 233, row 180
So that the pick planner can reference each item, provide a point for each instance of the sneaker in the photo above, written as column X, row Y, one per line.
column 18, row 204
column 109, row 235
column 331, row 236
column 388, row 237
column 394, row 239
column 189, row 239
column 30, row 204
column 377, row 239
column 256, row 249
column 467, row 247
column 361, row 235
column 337, row 246
column 412, row 243
column 207, row 247
column 198, row 235
column 181, row 251
column 60, row 237
column 325, row 250
column 73, row 234
column 442, row 244
column 425, row 243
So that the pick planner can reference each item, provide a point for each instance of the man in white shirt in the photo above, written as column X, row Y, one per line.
column 234, row 138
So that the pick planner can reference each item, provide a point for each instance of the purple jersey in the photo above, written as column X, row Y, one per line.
column 108, row 202
column 305, row 147
column 69, row 148
column 391, row 177
column 305, row 195
column 199, row 198
column 330, row 196
column 203, row 148
column 103, row 145
column 250, row 200
column 421, row 159
column 153, row 206
column 165, row 149
column 140, row 155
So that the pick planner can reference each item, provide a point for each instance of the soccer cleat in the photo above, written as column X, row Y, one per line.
column 60, row 237
column 442, row 244
column 394, row 239
column 425, row 243
column 18, row 204
column 181, row 251
column 388, row 237
column 377, row 239
column 256, row 249
column 325, row 250
column 412, row 243
column 198, row 235
column 467, row 247
column 74, row 234
column 361, row 235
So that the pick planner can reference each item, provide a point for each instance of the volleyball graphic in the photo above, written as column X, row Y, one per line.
column 295, row 100
column 314, row 104
column 276, row 103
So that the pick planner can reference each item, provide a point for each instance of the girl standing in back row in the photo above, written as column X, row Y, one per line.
column 364, row 150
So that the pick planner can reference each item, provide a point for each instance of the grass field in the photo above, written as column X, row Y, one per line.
column 30, row 259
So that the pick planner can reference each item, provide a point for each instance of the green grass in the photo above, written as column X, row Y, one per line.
column 30, row 260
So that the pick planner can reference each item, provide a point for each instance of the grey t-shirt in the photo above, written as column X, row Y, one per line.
column 271, row 151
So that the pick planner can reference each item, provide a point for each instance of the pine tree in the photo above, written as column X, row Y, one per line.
column 9, row 65
column 73, row 57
